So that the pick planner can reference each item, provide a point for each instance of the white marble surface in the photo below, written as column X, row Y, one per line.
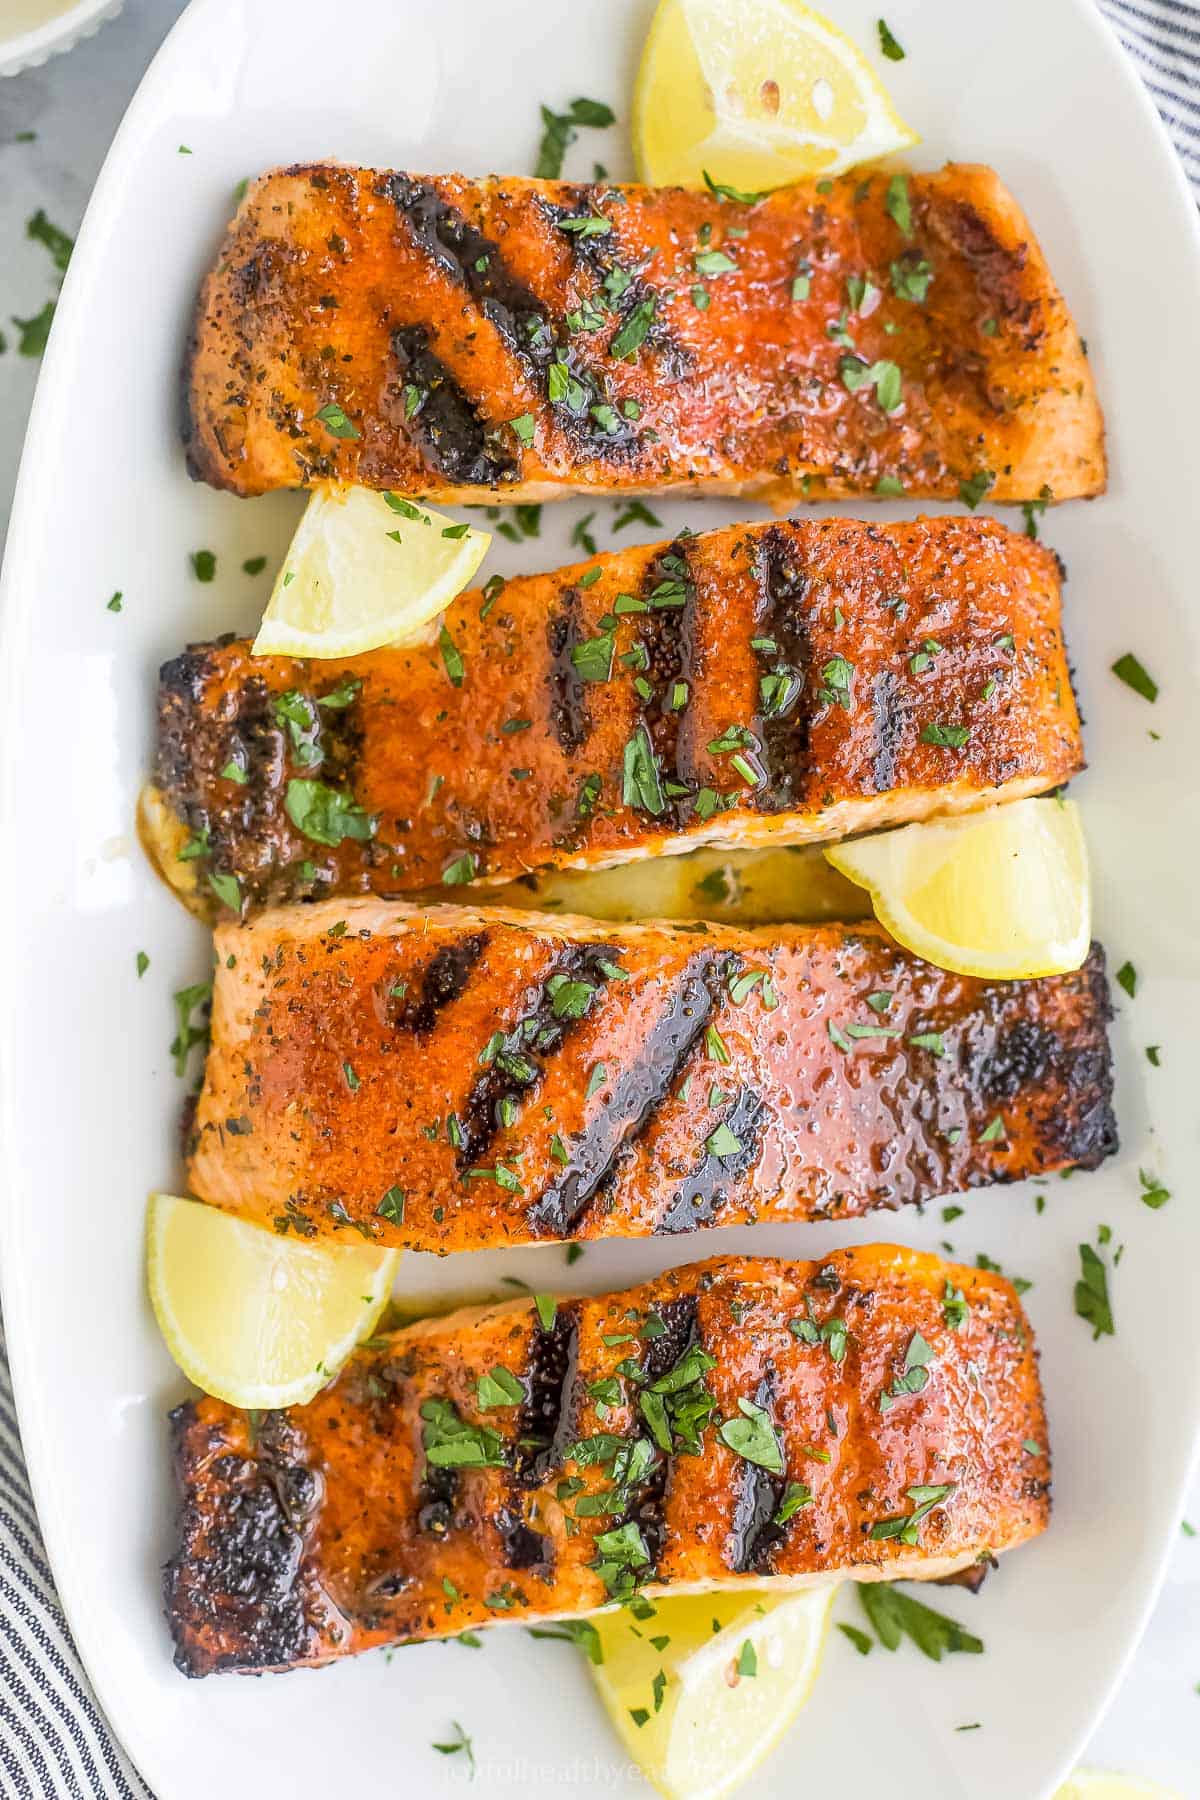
column 73, row 105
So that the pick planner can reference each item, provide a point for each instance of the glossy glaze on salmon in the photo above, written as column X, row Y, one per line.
column 457, row 1078
column 758, row 684
column 528, row 339
column 533, row 1460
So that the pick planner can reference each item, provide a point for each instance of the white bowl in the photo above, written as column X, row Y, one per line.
column 33, row 45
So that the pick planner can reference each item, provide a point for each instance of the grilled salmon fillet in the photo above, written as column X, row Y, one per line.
column 455, row 1078
column 535, row 1460
column 754, row 685
column 529, row 339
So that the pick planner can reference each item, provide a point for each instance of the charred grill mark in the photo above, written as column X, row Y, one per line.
column 889, row 719
column 706, row 1191
column 784, row 721
column 754, row 1534
column 516, row 1065
column 441, row 982
column 666, row 655
column 1028, row 1057
column 569, row 710
column 635, row 1098
column 523, row 1547
column 447, row 428
column 469, row 258
column 252, row 1586
column 548, row 1420
column 665, row 1350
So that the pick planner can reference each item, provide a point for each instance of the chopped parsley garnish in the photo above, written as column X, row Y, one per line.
column 946, row 737
column 391, row 1207
column 114, row 605
column 451, row 1443
column 204, row 565
column 915, row 1374
column 561, row 129
column 955, row 1309
column 1128, row 669
column 56, row 242
column 1126, row 977
column 460, row 1742
column 451, row 657
column 228, row 890
column 341, row 696
column 1091, row 1293
column 621, row 1554
column 861, row 1640
column 993, row 1133
column 795, row 1496
column 889, row 487
column 325, row 814
column 143, row 963
column 747, row 1660
column 33, row 333
column 713, row 262
column 187, row 1000
column 464, row 868
column 883, row 376
column 895, row 1616
column 898, row 203
column 907, row 1526
column 971, row 492
column 1154, row 1194
column 592, row 659
column 834, row 1333
column 632, row 334
column 723, row 192
column 752, row 1437
column 641, row 784
column 499, row 1387
column 523, row 427
column 723, row 1143
column 547, row 1310
column 837, row 677
column 888, row 42
column 337, row 421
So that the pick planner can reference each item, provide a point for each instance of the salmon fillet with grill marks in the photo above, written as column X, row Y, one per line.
column 529, row 339
column 755, row 685
column 458, row 1078
column 407, row 1501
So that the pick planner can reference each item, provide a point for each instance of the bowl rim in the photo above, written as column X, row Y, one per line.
column 53, row 34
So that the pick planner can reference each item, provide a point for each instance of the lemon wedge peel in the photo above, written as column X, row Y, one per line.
column 1003, row 894
column 366, row 569
column 252, row 1317
column 758, row 95
column 700, row 1714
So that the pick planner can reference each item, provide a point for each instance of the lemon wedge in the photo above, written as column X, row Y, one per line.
column 254, row 1318
column 1003, row 894
column 365, row 569
column 1094, row 1784
column 755, row 95
column 700, row 1711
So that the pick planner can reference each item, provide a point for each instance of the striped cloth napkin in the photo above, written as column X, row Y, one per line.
column 54, row 1740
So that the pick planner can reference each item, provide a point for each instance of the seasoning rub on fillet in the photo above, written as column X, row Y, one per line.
column 456, row 1078
column 735, row 1423
column 874, row 334
column 754, row 685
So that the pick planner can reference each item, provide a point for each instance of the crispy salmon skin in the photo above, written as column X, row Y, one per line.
column 531, row 1461
column 529, row 339
column 753, row 685
column 457, row 1078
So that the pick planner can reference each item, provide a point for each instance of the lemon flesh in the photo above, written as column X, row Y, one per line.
column 251, row 1317
column 699, row 1713
column 1003, row 894
column 365, row 569
column 757, row 94
column 1094, row 1784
